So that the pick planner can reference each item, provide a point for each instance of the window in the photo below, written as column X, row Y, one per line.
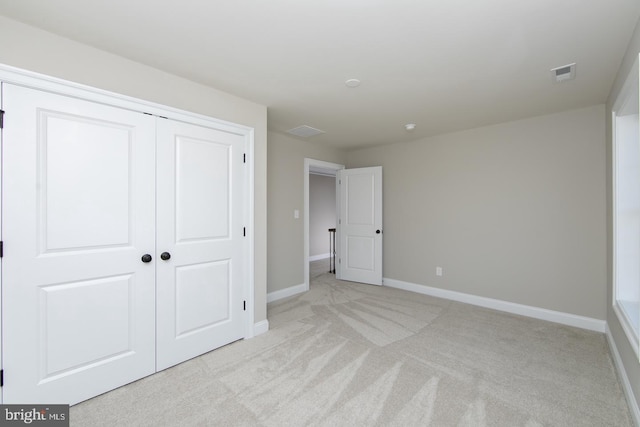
column 626, row 208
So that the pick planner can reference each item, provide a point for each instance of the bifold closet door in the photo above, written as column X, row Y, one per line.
column 78, row 215
column 200, row 217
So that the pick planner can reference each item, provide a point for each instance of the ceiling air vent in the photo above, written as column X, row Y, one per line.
column 305, row 131
column 566, row 72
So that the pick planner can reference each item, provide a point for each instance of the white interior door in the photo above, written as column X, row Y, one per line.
column 78, row 213
column 360, row 225
column 201, row 226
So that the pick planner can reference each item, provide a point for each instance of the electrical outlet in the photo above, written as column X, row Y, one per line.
column 438, row 271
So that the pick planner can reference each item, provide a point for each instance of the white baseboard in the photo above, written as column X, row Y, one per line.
column 626, row 385
column 260, row 327
column 319, row 257
column 287, row 292
column 510, row 307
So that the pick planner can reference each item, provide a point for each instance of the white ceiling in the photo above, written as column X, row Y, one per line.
column 445, row 65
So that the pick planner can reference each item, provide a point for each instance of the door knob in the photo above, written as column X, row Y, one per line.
column 165, row 256
column 378, row 231
column 146, row 258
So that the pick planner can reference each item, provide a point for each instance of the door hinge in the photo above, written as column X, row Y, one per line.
column 339, row 260
column 244, row 305
column 1, row 248
column 1, row 119
column 244, row 231
column 1, row 377
column 244, row 158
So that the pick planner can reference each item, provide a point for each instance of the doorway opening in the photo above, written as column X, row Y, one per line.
column 318, row 176
column 322, row 219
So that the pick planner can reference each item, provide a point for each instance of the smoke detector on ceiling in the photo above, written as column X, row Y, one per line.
column 305, row 131
column 566, row 72
column 352, row 83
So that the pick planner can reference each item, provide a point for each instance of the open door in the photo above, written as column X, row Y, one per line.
column 360, row 225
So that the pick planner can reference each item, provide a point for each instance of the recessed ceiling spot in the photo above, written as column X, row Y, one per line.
column 352, row 83
column 410, row 126
column 566, row 72
column 305, row 131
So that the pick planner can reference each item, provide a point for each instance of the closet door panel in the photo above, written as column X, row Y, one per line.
column 200, row 210
column 78, row 214
column 202, row 215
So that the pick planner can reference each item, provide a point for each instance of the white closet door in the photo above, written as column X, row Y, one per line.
column 79, row 205
column 201, row 188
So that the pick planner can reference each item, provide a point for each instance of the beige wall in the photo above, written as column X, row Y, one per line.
column 45, row 53
column 627, row 354
column 322, row 212
column 286, row 192
column 514, row 212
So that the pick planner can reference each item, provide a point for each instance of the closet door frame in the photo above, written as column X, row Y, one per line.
column 46, row 83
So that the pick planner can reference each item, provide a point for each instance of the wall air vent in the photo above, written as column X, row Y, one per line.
column 305, row 131
column 566, row 72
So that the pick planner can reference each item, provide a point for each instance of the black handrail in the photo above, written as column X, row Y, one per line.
column 332, row 250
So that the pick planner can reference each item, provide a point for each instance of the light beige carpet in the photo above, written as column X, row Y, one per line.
column 347, row 354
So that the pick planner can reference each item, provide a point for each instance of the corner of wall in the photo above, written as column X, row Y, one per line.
column 260, row 328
